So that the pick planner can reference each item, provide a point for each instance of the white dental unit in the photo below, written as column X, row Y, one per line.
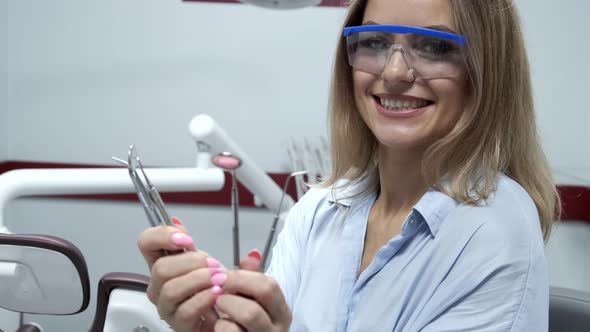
column 37, row 272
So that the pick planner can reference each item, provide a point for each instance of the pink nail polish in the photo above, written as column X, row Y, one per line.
column 215, row 270
column 181, row 239
column 216, row 290
column 213, row 263
column 219, row 279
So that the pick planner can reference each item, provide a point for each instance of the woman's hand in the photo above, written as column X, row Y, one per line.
column 180, row 283
column 251, row 301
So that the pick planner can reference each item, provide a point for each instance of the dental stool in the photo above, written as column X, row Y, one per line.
column 569, row 310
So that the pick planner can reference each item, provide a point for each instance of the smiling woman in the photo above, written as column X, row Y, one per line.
column 469, row 128
column 434, row 216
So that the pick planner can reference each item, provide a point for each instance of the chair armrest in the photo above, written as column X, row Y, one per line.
column 107, row 284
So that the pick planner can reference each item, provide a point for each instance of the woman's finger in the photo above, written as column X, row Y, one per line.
column 252, row 261
column 224, row 325
column 178, row 224
column 209, row 319
column 245, row 312
column 178, row 290
column 262, row 288
column 170, row 267
column 153, row 241
column 194, row 312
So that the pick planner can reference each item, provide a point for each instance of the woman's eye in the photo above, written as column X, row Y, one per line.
column 435, row 47
column 377, row 44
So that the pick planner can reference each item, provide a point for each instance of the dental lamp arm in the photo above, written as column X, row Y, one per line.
column 29, row 182
column 204, row 129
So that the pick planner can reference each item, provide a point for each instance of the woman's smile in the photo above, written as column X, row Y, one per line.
column 401, row 106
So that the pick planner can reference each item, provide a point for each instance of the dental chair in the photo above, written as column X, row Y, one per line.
column 569, row 310
column 47, row 275
column 41, row 274
column 122, row 305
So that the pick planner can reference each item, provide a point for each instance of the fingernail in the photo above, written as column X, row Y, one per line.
column 181, row 239
column 219, row 279
column 215, row 270
column 216, row 290
column 176, row 221
column 255, row 254
column 212, row 262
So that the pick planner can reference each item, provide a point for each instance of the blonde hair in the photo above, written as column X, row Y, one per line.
column 498, row 134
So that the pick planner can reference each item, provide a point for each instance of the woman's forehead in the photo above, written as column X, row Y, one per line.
column 420, row 13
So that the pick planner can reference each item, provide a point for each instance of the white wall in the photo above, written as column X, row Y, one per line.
column 554, row 32
column 85, row 79
column 4, row 82
column 112, row 73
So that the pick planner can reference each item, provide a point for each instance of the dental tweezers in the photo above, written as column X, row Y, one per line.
column 149, row 197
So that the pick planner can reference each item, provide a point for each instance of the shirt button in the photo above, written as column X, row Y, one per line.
column 412, row 220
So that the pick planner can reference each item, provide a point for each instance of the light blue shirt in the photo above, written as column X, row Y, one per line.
column 453, row 267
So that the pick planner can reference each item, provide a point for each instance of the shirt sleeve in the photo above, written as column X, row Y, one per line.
column 498, row 283
column 287, row 254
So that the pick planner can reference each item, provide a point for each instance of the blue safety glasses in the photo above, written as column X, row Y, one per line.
column 427, row 53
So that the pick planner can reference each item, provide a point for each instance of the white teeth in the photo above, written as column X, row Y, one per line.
column 402, row 104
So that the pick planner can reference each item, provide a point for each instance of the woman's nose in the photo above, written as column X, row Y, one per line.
column 397, row 68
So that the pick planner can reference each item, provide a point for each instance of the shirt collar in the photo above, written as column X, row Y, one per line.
column 346, row 194
column 433, row 207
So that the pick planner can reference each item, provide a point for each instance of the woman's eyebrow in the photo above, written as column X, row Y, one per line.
column 441, row 28
column 370, row 23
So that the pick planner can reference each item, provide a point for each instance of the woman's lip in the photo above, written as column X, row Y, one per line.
column 409, row 113
column 400, row 97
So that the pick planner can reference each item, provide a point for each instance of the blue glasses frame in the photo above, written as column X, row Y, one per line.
column 404, row 29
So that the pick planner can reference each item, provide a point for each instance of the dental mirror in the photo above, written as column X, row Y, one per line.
column 231, row 163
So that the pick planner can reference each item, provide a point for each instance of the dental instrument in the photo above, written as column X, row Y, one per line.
column 293, row 165
column 231, row 163
column 149, row 196
column 296, row 163
column 204, row 128
column 311, row 162
column 276, row 219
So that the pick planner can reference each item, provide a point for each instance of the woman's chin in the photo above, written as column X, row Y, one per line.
column 407, row 144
